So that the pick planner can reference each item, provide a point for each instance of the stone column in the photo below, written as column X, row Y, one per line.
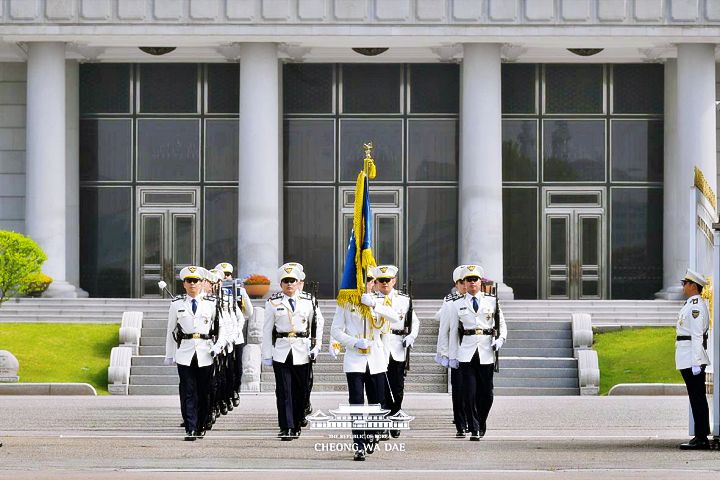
column 480, row 182
column 689, row 141
column 46, row 202
column 259, row 186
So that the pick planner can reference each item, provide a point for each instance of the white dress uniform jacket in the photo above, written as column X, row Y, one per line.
column 200, row 322
column 461, row 312
column 394, row 343
column 693, row 321
column 347, row 328
column 443, row 340
column 239, row 315
column 278, row 314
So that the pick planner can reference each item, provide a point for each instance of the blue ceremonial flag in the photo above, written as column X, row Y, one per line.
column 359, row 256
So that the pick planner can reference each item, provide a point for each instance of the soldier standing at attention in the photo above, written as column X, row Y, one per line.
column 286, row 347
column 691, row 356
column 472, row 347
column 458, row 400
column 189, row 343
column 396, row 341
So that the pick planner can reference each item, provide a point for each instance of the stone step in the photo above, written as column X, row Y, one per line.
column 535, row 352
column 342, row 387
column 534, row 391
column 320, row 367
column 519, row 343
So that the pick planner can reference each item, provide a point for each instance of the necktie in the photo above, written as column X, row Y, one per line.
column 388, row 301
column 194, row 306
column 292, row 304
column 475, row 304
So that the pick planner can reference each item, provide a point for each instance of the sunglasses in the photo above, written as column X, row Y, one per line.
column 228, row 274
column 192, row 280
column 370, row 279
column 383, row 280
column 472, row 279
column 288, row 280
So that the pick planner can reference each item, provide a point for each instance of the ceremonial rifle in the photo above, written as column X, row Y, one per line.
column 314, row 288
column 496, row 327
column 408, row 326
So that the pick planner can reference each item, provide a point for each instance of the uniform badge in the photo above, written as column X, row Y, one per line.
column 695, row 313
column 471, row 268
column 206, row 320
column 192, row 269
column 288, row 269
column 383, row 269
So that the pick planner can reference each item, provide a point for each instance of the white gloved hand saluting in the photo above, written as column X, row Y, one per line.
column 696, row 369
column 497, row 343
column 362, row 343
column 267, row 361
column 314, row 352
column 368, row 299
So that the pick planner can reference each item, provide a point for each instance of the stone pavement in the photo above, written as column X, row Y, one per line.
column 528, row 437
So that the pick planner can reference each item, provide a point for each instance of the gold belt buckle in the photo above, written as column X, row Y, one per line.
column 292, row 334
column 364, row 351
column 478, row 331
column 195, row 336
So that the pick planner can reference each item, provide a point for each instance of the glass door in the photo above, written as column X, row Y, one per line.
column 574, row 251
column 387, row 221
column 168, row 238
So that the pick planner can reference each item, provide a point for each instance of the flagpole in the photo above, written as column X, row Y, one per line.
column 366, row 165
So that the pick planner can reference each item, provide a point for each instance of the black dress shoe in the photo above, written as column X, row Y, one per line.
column 460, row 434
column 482, row 432
column 200, row 434
column 394, row 433
column 182, row 425
column 697, row 443
column 235, row 399
column 229, row 404
column 223, row 408
column 304, row 422
column 190, row 436
column 286, row 436
column 475, row 437
column 359, row 456
column 295, row 432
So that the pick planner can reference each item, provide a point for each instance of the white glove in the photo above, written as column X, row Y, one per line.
column 333, row 352
column 453, row 363
column 497, row 343
column 362, row 343
column 368, row 299
column 408, row 341
column 314, row 352
column 169, row 362
column 441, row 360
column 215, row 350
column 696, row 369
column 267, row 361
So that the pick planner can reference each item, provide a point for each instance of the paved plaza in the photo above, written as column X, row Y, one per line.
column 528, row 437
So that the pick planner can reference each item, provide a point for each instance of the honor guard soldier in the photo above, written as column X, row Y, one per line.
column 442, row 356
column 190, row 343
column 397, row 341
column 472, row 346
column 691, row 356
column 222, row 393
column 286, row 347
column 242, row 311
column 365, row 362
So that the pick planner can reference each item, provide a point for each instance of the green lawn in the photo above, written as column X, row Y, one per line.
column 636, row 355
column 67, row 352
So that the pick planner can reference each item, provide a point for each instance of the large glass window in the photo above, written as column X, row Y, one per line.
column 387, row 138
column 106, row 241
column 223, row 88
column 637, row 246
column 371, row 88
column 221, row 209
column 574, row 88
column 221, row 149
column 309, row 220
column 519, row 150
column 432, row 227
column 432, row 150
column 637, row 150
column 168, row 149
column 309, row 150
column 97, row 81
column 106, row 149
column 520, row 241
column 518, row 88
column 308, row 88
column 574, row 150
column 168, row 88
column 638, row 88
column 425, row 96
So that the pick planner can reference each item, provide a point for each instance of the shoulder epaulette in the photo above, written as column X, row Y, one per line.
column 211, row 298
column 403, row 294
column 179, row 297
column 451, row 297
column 694, row 301
column 275, row 296
column 458, row 297
column 378, row 295
column 306, row 295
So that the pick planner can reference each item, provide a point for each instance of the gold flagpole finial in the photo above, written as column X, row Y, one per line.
column 369, row 162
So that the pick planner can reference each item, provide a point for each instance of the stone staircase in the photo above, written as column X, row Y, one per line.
column 536, row 360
